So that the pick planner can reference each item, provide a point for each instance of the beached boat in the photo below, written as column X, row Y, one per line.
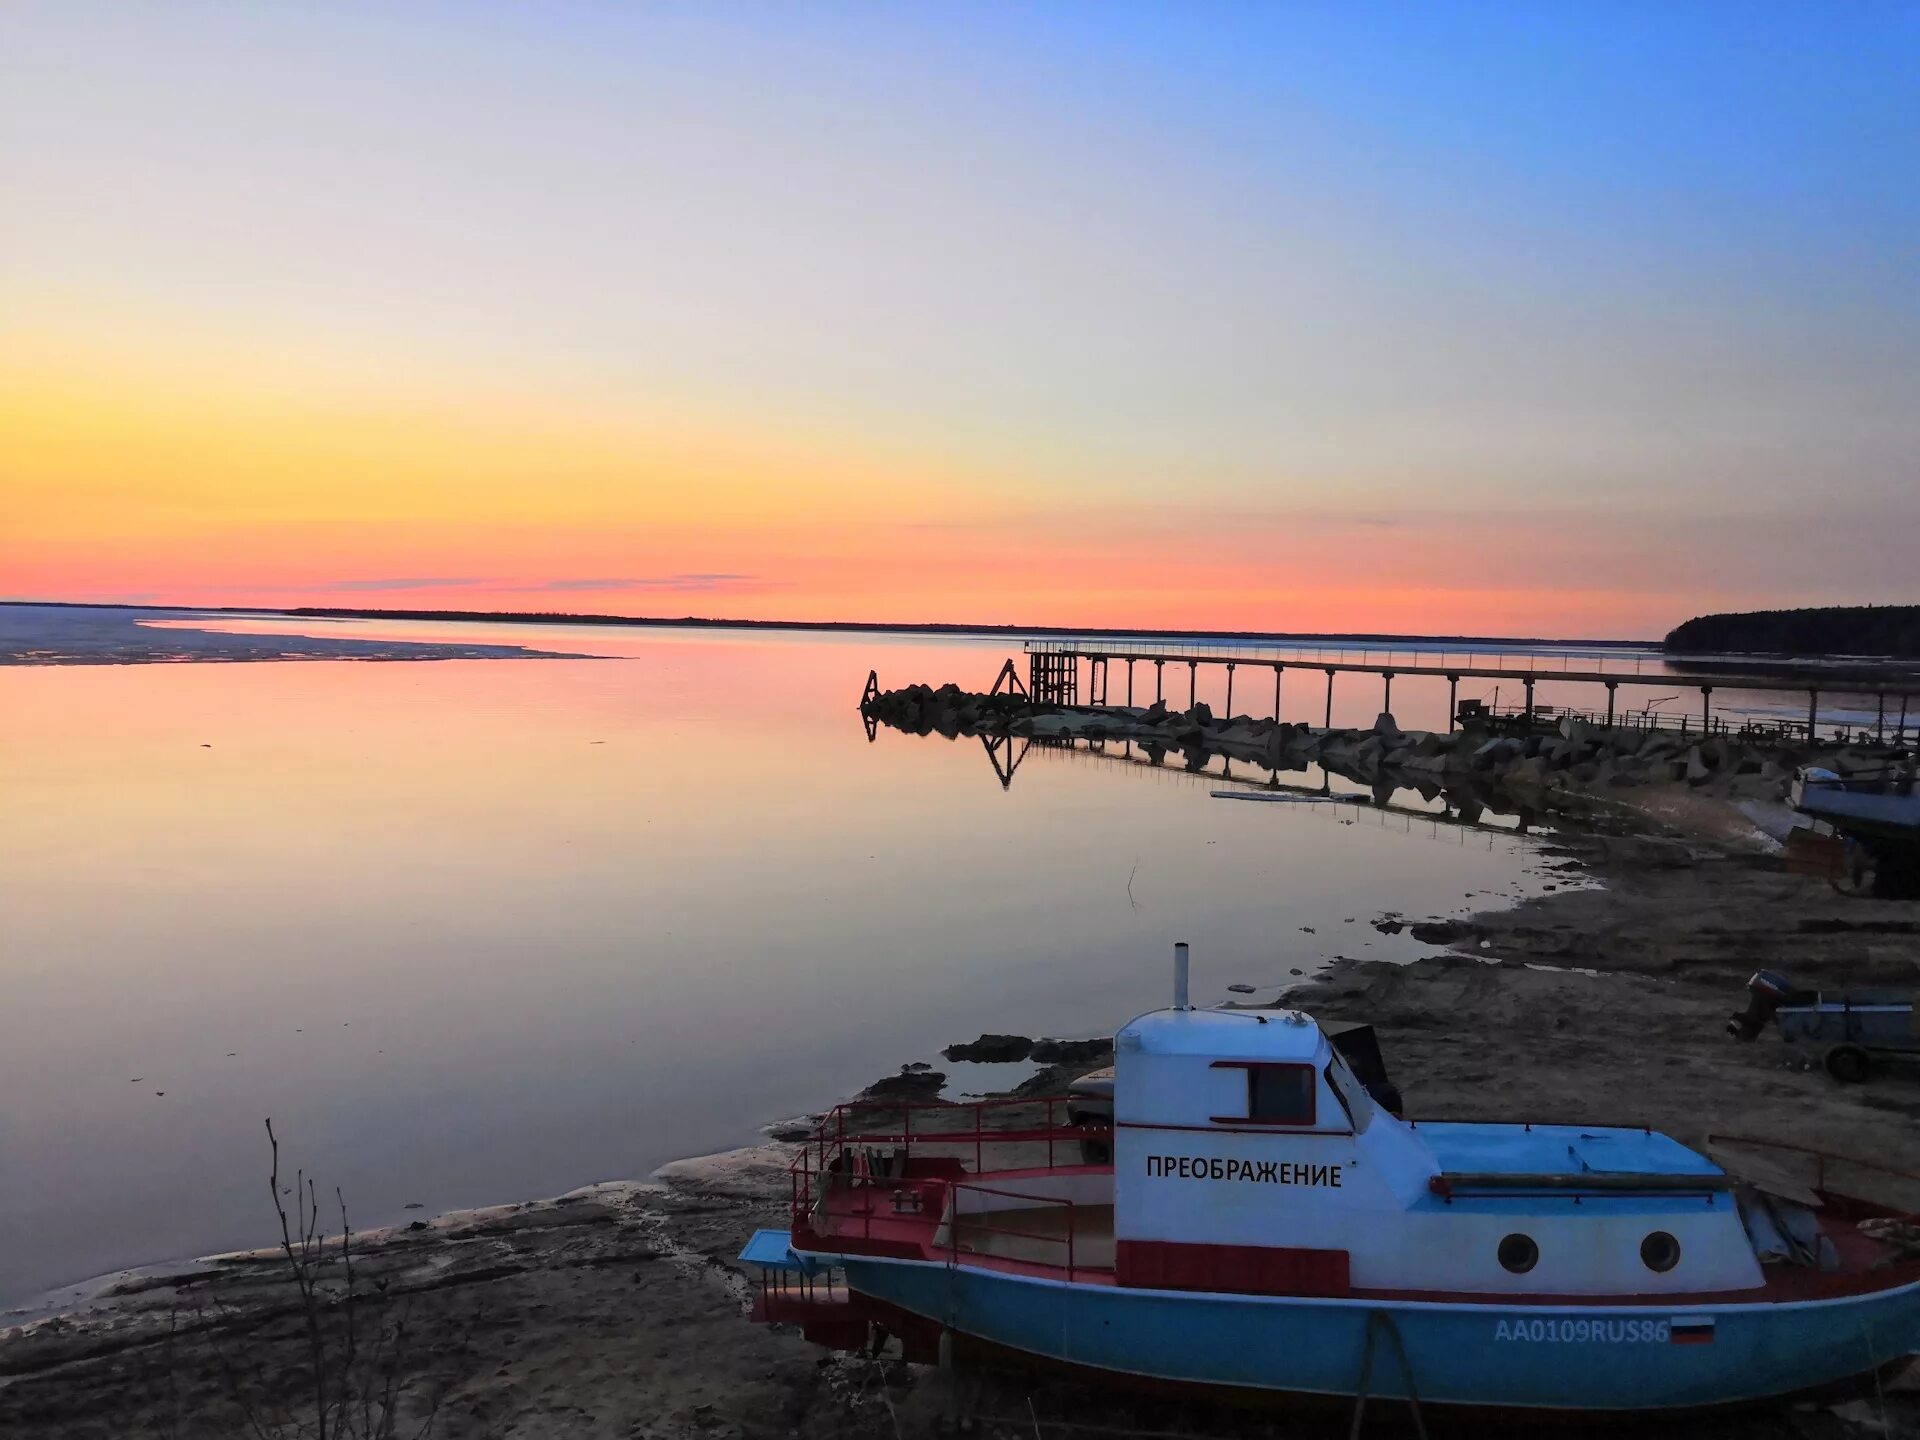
column 1266, row 1227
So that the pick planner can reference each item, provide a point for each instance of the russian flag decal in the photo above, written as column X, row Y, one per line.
column 1690, row 1330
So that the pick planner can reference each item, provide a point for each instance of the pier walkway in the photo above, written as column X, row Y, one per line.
column 1081, row 672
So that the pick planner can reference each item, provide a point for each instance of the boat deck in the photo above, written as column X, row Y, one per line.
column 1558, row 1150
column 1038, row 1236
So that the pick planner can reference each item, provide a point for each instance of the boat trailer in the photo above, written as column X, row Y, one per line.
column 1853, row 1030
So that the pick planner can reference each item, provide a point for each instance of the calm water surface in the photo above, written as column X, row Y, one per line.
column 474, row 931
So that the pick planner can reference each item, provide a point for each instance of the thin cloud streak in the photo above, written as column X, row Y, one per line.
column 419, row 582
column 693, row 580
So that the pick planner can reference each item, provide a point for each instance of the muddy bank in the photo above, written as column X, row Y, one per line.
column 1609, row 1003
column 608, row 1312
column 617, row 1311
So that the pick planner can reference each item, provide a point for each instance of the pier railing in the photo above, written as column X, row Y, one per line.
column 1865, row 672
column 1098, row 671
column 1520, row 660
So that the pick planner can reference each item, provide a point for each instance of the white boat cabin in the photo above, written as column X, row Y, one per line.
column 1247, row 1157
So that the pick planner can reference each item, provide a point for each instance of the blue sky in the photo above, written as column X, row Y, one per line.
column 1196, row 280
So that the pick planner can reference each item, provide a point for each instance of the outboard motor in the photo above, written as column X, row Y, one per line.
column 1767, row 991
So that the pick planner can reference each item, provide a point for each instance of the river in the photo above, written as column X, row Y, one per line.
column 482, row 930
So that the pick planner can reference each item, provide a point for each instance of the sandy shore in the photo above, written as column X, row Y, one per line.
column 616, row 1311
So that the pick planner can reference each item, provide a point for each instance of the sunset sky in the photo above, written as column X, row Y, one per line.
column 1538, row 320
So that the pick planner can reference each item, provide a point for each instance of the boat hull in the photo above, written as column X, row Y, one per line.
column 1572, row 1357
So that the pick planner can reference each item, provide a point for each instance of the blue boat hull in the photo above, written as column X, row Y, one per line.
column 1561, row 1357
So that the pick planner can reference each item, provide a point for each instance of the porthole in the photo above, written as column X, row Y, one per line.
column 1660, row 1252
column 1518, row 1253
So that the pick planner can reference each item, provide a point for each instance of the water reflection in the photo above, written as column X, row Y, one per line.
column 1460, row 800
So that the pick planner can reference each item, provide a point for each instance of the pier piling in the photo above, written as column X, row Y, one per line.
column 1056, row 681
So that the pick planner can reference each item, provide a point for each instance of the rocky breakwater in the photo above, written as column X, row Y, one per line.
column 1574, row 757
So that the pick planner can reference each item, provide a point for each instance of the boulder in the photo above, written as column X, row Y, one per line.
column 1201, row 713
column 1384, row 724
column 1531, row 771
column 907, row 1085
column 1072, row 1052
column 1441, row 932
column 990, row 1049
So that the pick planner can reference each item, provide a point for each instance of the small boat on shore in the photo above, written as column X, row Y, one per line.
column 1265, row 1227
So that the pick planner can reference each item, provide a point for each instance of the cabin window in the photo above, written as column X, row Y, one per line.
column 1276, row 1094
column 1660, row 1252
column 1351, row 1094
column 1518, row 1253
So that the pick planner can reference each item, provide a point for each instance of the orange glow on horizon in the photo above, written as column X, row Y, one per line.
column 214, row 479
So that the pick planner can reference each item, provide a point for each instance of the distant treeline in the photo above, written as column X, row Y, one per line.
column 550, row 617
column 1825, row 630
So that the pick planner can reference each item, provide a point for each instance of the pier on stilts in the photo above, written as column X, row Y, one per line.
column 1056, row 669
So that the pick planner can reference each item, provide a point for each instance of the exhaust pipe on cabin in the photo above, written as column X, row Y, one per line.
column 1180, row 976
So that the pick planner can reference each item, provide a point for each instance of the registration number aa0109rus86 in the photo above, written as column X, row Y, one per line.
column 1559, row 1330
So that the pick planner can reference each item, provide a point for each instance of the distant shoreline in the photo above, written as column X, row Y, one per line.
column 528, row 617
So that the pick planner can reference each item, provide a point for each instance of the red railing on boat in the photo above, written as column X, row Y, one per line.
column 954, row 1223
column 843, row 1145
column 832, row 1129
column 1828, row 1171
